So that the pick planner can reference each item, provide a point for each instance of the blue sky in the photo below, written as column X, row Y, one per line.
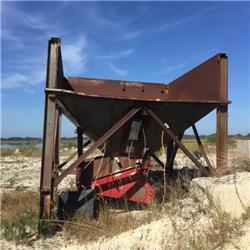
column 143, row 41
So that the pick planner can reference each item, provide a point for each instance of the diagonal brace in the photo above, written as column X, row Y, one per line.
column 173, row 137
column 157, row 160
column 201, row 146
column 99, row 142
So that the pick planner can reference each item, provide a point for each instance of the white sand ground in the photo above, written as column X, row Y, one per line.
column 175, row 230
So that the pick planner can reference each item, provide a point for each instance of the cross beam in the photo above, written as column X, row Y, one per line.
column 166, row 129
column 99, row 142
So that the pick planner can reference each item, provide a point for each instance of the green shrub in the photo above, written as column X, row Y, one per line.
column 68, row 144
column 7, row 151
column 30, row 150
column 197, row 154
column 21, row 226
column 211, row 139
column 19, row 215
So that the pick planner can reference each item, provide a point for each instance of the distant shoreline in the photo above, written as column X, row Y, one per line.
column 34, row 140
column 20, row 142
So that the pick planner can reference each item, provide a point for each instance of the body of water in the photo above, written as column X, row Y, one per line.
column 13, row 146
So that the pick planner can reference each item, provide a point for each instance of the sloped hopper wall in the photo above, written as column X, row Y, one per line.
column 98, row 104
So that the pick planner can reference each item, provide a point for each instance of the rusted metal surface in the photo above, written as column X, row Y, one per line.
column 180, row 117
column 206, row 79
column 203, row 83
column 98, row 143
column 51, row 129
column 106, row 109
column 79, row 152
column 165, row 127
column 221, row 138
column 157, row 160
column 222, row 118
column 170, row 162
column 118, row 89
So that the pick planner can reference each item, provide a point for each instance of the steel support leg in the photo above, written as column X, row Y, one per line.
column 169, row 163
column 51, row 131
column 49, row 157
column 221, row 136
column 79, row 151
column 57, row 137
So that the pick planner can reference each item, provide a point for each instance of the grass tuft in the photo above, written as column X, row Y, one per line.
column 108, row 224
column 19, row 215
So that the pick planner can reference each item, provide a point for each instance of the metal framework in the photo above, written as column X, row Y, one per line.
column 105, row 109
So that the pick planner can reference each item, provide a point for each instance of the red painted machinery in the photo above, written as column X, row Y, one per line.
column 131, row 184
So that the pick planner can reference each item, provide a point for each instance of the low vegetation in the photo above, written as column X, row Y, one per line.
column 20, row 209
column 20, row 219
column 19, row 215
column 109, row 223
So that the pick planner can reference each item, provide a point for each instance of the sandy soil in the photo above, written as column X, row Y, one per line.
column 18, row 172
column 24, row 172
column 180, row 227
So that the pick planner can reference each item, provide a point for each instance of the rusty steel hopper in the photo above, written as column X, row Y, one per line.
column 129, row 117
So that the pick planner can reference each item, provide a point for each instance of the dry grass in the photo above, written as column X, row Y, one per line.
column 7, row 152
column 192, row 146
column 222, row 229
column 20, row 211
column 26, row 151
column 19, row 215
column 20, row 219
column 238, row 164
column 246, row 215
column 108, row 224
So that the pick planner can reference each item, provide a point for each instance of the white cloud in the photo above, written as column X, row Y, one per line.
column 27, row 72
column 23, row 81
column 116, row 70
column 128, row 34
column 174, row 24
column 131, row 34
column 12, row 16
column 34, row 22
column 14, row 20
column 8, row 34
column 171, row 68
column 74, row 56
column 117, row 55
column 14, row 80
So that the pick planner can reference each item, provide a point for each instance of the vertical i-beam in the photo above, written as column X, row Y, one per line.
column 79, row 152
column 51, row 129
column 169, row 164
column 222, row 117
column 171, row 157
column 221, row 137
